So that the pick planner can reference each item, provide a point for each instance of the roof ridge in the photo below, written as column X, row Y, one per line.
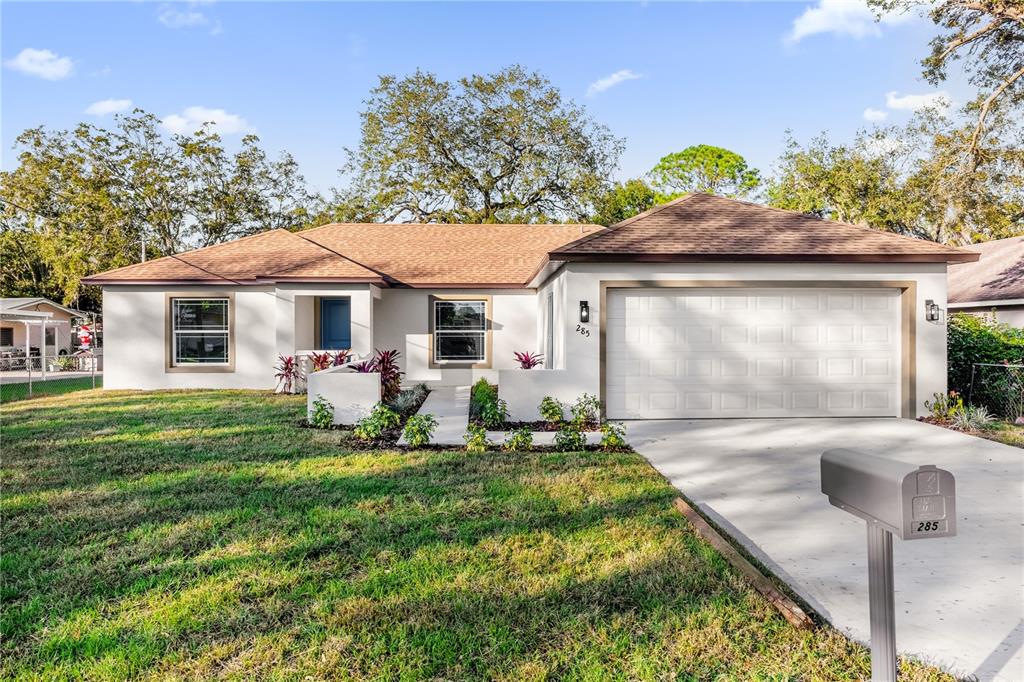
column 808, row 216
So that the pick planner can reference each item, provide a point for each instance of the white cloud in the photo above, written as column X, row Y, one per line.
column 875, row 115
column 850, row 18
column 41, row 63
column 108, row 106
column 193, row 118
column 611, row 80
column 933, row 100
column 187, row 18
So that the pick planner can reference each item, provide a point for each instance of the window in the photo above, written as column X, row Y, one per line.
column 460, row 331
column 199, row 331
column 6, row 336
column 51, row 337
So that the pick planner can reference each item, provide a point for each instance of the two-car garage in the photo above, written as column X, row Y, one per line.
column 675, row 352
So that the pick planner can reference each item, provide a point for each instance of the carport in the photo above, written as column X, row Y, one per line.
column 959, row 600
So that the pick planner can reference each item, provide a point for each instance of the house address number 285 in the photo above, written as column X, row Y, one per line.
column 582, row 331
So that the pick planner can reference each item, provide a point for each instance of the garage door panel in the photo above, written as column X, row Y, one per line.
column 740, row 352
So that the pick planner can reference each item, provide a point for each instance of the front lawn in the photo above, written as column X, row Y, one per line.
column 202, row 534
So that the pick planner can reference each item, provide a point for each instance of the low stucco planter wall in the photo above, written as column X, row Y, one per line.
column 523, row 389
column 353, row 394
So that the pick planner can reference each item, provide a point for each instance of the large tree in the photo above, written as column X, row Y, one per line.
column 488, row 148
column 623, row 200
column 85, row 200
column 989, row 36
column 704, row 168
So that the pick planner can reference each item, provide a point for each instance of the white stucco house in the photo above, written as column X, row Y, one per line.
column 703, row 307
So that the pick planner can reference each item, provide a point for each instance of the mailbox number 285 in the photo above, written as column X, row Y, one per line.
column 927, row 526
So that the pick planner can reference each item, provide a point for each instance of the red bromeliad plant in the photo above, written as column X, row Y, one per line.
column 320, row 361
column 287, row 373
column 386, row 362
column 529, row 360
column 340, row 357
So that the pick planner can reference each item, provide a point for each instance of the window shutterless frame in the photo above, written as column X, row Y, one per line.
column 460, row 332
column 187, row 328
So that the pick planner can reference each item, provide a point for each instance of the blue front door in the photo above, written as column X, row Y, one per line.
column 335, row 323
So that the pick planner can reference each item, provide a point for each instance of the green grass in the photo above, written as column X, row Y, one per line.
column 199, row 535
column 1004, row 432
column 57, row 386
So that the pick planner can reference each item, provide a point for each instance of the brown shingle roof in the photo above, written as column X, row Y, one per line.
column 402, row 254
column 998, row 276
column 704, row 227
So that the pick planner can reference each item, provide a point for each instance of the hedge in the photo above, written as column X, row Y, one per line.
column 975, row 339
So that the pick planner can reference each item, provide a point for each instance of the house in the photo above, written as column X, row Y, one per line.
column 38, row 326
column 993, row 284
column 702, row 307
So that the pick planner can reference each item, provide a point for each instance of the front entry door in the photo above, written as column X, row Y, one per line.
column 335, row 323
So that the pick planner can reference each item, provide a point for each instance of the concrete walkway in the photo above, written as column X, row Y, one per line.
column 450, row 407
column 959, row 601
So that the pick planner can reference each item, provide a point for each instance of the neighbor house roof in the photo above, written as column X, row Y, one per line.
column 998, row 276
column 31, row 304
column 701, row 227
column 417, row 255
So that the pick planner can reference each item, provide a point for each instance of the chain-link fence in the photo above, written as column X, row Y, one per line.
column 1000, row 388
column 31, row 376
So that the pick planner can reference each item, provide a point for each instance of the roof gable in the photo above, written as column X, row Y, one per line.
column 703, row 227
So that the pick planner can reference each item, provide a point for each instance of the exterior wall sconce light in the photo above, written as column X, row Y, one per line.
column 584, row 312
column 931, row 311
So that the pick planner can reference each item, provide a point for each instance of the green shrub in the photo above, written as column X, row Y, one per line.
column 476, row 439
column 494, row 414
column 322, row 414
column 419, row 429
column 613, row 436
column 586, row 411
column 569, row 438
column 64, row 363
column 380, row 420
column 482, row 393
column 551, row 410
column 519, row 440
column 979, row 338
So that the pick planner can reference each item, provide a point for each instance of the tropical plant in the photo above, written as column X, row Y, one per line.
column 519, row 440
column 364, row 367
column 340, row 357
column 613, row 436
column 569, row 438
column 409, row 400
column 945, row 407
column 476, row 439
column 419, row 429
column 287, row 373
column 972, row 418
column 551, row 410
column 483, row 393
column 528, row 360
column 319, row 361
column 386, row 362
column 494, row 413
column 586, row 411
column 322, row 414
column 381, row 419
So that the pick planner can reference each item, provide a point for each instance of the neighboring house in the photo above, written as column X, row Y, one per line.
column 993, row 284
column 25, row 323
column 703, row 307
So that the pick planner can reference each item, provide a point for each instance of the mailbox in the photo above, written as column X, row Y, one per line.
column 911, row 502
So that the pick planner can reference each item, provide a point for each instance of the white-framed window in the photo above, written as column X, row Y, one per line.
column 460, row 331
column 199, row 331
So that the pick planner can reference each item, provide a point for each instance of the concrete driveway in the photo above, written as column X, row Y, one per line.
column 959, row 601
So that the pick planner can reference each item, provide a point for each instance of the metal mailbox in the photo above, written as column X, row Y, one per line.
column 895, row 498
column 911, row 502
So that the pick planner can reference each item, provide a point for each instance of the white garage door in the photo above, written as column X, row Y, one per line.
column 688, row 353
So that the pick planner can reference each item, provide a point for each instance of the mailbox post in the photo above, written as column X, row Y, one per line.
column 912, row 502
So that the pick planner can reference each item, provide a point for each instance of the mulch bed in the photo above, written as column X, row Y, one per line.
column 533, row 426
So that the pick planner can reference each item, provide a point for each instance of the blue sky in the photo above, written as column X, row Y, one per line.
column 730, row 74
